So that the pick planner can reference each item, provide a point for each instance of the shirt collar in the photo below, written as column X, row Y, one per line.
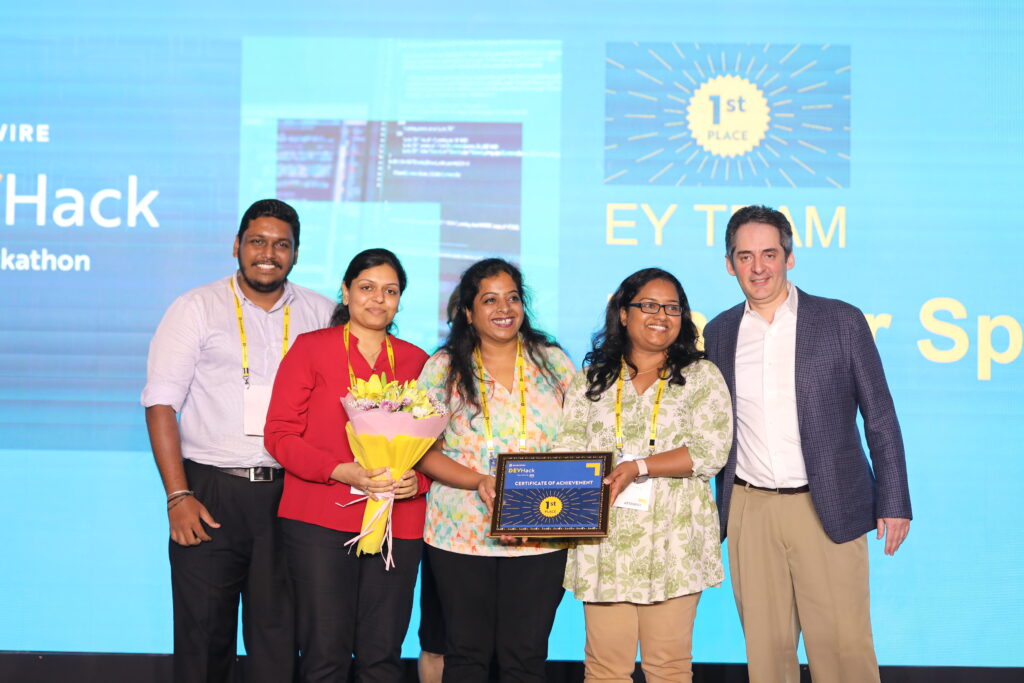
column 285, row 300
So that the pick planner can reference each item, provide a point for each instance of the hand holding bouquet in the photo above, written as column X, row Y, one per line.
column 390, row 425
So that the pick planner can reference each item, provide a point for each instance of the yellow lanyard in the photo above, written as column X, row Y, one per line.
column 653, row 436
column 485, row 408
column 348, row 358
column 241, row 331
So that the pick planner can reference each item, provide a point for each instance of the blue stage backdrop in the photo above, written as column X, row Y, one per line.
column 583, row 140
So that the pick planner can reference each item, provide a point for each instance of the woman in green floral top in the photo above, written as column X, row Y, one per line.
column 648, row 395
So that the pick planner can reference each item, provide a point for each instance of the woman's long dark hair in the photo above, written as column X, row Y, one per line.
column 463, row 339
column 611, row 344
column 369, row 258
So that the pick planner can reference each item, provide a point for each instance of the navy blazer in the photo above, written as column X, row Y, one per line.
column 838, row 371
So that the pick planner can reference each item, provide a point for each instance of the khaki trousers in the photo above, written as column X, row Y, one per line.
column 663, row 630
column 788, row 576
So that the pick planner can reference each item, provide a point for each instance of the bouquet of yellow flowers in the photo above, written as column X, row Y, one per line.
column 390, row 425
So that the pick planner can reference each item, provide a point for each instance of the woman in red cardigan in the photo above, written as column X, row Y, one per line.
column 350, row 611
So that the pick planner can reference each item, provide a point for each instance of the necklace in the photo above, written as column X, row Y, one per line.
column 488, row 434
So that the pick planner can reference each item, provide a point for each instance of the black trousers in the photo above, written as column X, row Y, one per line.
column 350, row 612
column 497, row 606
column 244, row 560
column 431, row 631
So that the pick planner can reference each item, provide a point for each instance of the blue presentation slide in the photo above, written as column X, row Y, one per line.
column 581, row 140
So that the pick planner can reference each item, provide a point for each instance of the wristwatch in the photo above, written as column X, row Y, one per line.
column 643, row 476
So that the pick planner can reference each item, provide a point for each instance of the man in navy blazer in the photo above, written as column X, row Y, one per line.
column 798, row 494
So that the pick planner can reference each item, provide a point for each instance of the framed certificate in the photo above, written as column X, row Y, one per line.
column 560, row 495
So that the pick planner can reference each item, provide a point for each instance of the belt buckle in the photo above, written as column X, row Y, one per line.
column 261, row 474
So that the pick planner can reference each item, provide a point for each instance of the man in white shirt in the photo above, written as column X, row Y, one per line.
column 797, row 495
column 211, row 365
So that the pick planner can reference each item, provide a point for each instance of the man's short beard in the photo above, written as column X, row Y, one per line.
column 264, row 287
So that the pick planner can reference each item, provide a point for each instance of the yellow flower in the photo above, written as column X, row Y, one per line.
column 378, row 392
column 371, row 389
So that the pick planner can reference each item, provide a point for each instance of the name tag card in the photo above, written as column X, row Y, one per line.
column 257, row 402
column 635, row 496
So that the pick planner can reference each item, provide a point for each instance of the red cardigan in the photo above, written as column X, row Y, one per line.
column 305, row 430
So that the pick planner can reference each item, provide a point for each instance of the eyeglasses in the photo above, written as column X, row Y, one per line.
column 653, row 307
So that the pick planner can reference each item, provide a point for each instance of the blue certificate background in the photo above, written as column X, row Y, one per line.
column 576, row 485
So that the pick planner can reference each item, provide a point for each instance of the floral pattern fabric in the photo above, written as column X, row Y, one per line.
column 457, row 520
column 673, row 548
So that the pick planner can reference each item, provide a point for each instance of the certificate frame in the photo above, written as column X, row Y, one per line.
column 552, row 495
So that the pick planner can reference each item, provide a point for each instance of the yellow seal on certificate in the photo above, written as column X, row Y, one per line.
column 551, row 506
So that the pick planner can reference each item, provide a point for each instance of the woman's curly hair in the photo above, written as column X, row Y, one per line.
column 463, row 339
column 612, row 344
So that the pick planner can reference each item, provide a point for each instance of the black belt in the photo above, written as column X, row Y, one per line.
column 799, row 489
column 254, row 473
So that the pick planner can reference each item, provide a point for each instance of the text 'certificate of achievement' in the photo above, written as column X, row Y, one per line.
column 559, row 495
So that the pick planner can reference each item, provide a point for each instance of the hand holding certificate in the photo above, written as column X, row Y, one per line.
column 560, row 495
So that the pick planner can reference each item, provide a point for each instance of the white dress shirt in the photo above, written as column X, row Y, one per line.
column 768, row 449
column 195, row 365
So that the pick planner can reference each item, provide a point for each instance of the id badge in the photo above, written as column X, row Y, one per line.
column 257, row 402
column 635, row 496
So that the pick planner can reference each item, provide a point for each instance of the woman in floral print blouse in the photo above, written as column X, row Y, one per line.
column 648, row 395
column 498, row 597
